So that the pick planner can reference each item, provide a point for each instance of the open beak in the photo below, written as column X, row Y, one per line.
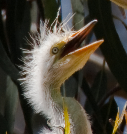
column 72, row 47
column 73, row 57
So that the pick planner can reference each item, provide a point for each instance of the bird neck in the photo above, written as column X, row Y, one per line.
column 50, row 101
column 53, row 106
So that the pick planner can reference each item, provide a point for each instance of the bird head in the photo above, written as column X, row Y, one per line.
column 55, row 56
column 62, row 54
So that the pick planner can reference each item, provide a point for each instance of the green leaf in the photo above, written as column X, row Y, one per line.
column 99, row 86
column 23, row 22
column 98, row 89
column 3, row 125
column 10, row 105
column 17, row 26
column 93, row 105
column 2, row 34
column 78, row 10
column 109, row 110
column 7, row 65
column 50, row 9
column 112, row 48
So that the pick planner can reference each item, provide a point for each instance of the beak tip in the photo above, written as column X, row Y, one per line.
column 96, row 44
column 94, row 21
column 99, row 42
column 102, row 40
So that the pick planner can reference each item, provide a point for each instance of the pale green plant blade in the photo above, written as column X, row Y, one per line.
column 78, row 10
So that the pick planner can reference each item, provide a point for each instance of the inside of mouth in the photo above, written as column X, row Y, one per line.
column 73, row 45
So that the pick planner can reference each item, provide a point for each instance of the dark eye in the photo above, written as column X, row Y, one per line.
column 55, row 50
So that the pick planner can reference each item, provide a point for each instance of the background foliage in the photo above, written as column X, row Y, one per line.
column 17, row 19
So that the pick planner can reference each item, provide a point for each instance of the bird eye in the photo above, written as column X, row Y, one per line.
column 55, row 50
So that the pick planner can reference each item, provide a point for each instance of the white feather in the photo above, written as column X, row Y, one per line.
column 38, row 79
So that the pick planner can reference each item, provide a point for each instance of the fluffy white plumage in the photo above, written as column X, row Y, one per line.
column 42, row 85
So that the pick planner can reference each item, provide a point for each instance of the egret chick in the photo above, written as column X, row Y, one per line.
column 48, row 65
